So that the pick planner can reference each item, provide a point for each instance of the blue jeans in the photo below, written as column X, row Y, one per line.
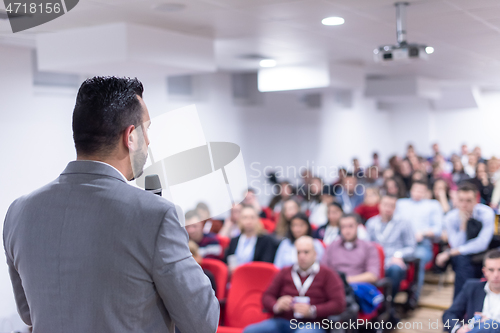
column 488, row 326
column 279, row 325
column 396, row 274
column 425, row 254
column 464, row 270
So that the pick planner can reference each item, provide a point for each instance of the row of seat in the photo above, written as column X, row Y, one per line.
column 241, row 303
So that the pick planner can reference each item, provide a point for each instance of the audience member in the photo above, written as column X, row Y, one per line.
column 209, row 246
column 349, row 195
column 464, row 154
column 369, row 207
column 313, row 194
column 470, row 230
column 290, row 208
column 470, row 167
column 230, row 228
column 396, row 238
column 285, row 192
column 304, row 293
column 426, row 219
column 477, row 297
column 458, row 174
column 253, row 244
column 405, row 173
column 441, row 193
column 318, row 214
column 483, row 183
column 394, row 186
column 330, row 231
column 286, row 255
column 356, row 258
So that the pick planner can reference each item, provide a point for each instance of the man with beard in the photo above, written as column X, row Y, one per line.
column 90, row 253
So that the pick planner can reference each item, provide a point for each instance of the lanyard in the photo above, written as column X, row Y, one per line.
column 382, row 237
column 303, row 288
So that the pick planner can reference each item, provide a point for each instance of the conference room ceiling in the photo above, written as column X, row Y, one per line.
column 464, row 33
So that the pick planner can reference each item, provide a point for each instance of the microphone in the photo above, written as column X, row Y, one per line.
column 153, row 184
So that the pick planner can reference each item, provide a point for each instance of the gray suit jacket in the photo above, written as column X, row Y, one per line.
column 90, row 253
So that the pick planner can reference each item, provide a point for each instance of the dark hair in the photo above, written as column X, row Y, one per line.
column 336, row 204
column 353, row 215
column 388, row 195
column 421, row 182
column 105, row 106
column 203, row 206
column 303, row 217
column 467, row 187
column 244, row 206
column 190, row 214
column 492, row 254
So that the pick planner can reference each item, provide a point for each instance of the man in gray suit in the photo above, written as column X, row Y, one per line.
column 90, row 253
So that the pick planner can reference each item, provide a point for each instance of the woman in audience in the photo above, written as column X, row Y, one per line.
column 285, row 192
column 458, row 174
column 330, row 231
column 441, row 192
column 253, row 244
column 394, row 186
column 290, row 208
column 405, row 173
column 286, row 255
column 369, row 207
column 483, row 183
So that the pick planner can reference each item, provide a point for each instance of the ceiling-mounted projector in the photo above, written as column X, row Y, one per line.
column 403, row 51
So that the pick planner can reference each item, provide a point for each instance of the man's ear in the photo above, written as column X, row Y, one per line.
column 127, row 137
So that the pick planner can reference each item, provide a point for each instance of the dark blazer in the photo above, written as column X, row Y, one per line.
column 469, row 300
column 265, row 248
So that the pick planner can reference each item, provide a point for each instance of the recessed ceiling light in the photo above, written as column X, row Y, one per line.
column 334, row 20
column 170, row 7
column 429, row 49
column 267, row 63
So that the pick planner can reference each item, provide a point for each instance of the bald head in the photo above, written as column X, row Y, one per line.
column 306, row 254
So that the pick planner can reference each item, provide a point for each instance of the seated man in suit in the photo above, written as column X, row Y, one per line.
column 302, row 295
column 209, row 246
column 252, row 244
column 481, row 298
column 470, row 230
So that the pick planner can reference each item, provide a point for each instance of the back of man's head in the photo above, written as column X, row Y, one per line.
column 105, row 107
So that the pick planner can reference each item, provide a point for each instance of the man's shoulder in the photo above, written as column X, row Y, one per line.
column 372, row 221
column 473, row 285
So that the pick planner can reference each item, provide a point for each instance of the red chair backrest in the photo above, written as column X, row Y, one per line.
column 270, row 214
column 220, row 272
column 244, row 298
column 381, row 257
column 224, row 242
column 268, row 224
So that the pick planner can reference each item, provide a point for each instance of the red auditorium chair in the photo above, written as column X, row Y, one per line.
column 268, row 224
column 224, row 242
column 384, row 285
column 244, row 297
column 220, row 272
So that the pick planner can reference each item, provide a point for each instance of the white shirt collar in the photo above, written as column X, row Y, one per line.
column 126, row 180
column 313, row 269
column 487, row 289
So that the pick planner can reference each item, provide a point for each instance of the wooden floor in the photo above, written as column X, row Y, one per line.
column 435, row 298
